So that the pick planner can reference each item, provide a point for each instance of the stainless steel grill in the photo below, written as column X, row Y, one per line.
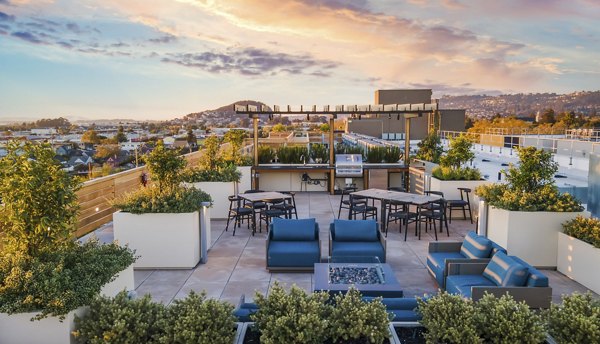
column 348, row 165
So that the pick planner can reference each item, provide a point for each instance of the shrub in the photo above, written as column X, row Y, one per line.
column 153, row 200
column 57, row 282
column 383, row 154
column 392, row 154
column 291, row 318
column 319, row 152
column 266, row 154
column 347, row 149
column 356, row 321
column 577, row 320
column 198, row 320
column 430, row 148
column 121, row 320
column 227, row 173
column 463, row 173
column 211, row 158
column 235, row 138
column 448, row 319
column 530, row 186
column 459, row 153
column 505, row 321
column 584, row 229
column 165, row 166
column 292, row 155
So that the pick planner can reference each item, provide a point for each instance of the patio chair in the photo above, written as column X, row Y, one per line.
column 238, row 213
column 356, row 238
column 462, row 203
column 269, row 212
column 430, row 214
column 293, row 245
column 399, row 211
column 345, row 203
column 359, row 205
column 288, row 205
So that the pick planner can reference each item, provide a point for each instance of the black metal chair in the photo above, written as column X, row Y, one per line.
column 345, row 203
column 359, row 205
column 268, row 213
column 238, row 213
column 431, row 213
column 289, row 205
column 462, row 203
column 257, row 206
column 397, row 188
column 399, row 211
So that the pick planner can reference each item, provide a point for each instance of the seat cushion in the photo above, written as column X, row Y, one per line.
column 505, row 271
column 436, row 264
column 535, row 278
column 293, row 253
column 476, row 246
column 293, row 230
column 402, row 308
column 461, row 284
column 358, row 249
column 355, row 230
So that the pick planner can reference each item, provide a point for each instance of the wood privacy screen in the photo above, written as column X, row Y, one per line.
column 95, row 195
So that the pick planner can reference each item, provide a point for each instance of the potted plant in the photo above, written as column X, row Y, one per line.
column 575, row 320
column 162, row 222
column 218, row 182
column 579, row 251
column 528, row 209
column 319, row 153
column 45, row 274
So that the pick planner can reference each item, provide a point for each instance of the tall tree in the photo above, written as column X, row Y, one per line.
column 121, row 137
column 91, row 136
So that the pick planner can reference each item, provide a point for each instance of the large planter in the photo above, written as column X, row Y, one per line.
column 451, row 192
column 160, row 240
column 123, row 281
column 246, row 179
column 579, row 260
column 218, row 191
column 530, row 235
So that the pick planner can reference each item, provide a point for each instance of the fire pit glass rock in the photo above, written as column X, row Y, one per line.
column 356, row 275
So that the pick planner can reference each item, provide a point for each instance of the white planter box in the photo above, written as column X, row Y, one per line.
column 246, row 179
column 161, row 240
column 451, row 192
column 218, row 191
column 123, row 281
column 579, row 260
column 18, row 329
column 529, row 235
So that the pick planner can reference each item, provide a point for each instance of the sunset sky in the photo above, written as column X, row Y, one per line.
column 160, row 59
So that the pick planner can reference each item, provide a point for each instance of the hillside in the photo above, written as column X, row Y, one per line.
column 220, row 116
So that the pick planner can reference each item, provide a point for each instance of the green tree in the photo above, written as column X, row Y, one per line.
column 430, row 148
column 120, row 137
column 211, row 158
column 324, row 127
column 459, row 152
column 40, row 206
column 548, row 116
column 165, row 166
column 535, row 171
column 91, row 136
column 107, row 151
column 190, row 137
column 278, row 128
column 235, row 138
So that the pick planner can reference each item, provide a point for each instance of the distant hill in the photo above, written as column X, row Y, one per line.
column 222, row 115
column 523, row 105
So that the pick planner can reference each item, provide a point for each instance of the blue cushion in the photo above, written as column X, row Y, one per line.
column 403, row 309
column 496, row 248
column 505, row 271
column 358, row 249
column 293, row 254
column 461, row 284
column 476, row 246
column 535, row 278
column 293, row 230
column 355, row 230
column 436, row 264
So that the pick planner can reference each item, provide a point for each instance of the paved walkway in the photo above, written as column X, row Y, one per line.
column 236, row 264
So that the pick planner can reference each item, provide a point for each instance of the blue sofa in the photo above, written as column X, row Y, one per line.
column 473, row 249
column 502, row 274
column 356, row 238
column 293, row 245
column 402, row 308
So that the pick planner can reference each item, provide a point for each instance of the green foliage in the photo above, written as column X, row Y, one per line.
column 120, row 137
column 459, row 153
column 356, row 321
column 576, row 320
column 448, row 319
column 430, row 148
column 266, row 154
column 530, row 186
column 212, row 157
column 40, row 206
column 584, row 229
column 91, row 136
column 292, row 155
column 506, row 321
column 121, row 320
column 165, row 166
column 392, row 154
column 383, row 154
column 319, row 152
column 198, row 320
column 226, row 173
column 58, row 281
column 463, row 173
column 294, row 318
column 235, row 138
column 152, row 200
column 347, row 149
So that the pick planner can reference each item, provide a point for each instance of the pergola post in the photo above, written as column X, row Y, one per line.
column 255, row 143
column 331, row 155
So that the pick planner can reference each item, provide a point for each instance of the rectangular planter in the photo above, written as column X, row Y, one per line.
column 161, row 240
column 394, row 324
column 530, row 235
column 218, row 191
column 123, row 281
column 246, row 179
column 18, row 329
column 579, row 260
column 450, row 190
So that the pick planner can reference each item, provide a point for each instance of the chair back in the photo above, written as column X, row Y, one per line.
column 397, row 188
column 464, row 193
column 253, row 191
column 437, row 193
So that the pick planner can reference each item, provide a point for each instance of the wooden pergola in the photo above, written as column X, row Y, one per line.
column 407, row 111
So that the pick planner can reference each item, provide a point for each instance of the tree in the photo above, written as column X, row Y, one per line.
column 211, row 158
column 235, row 138
column 120, row 137
column 459, row 152
column 165, row 166
column 278, row 128
column 468, row 123
column 324, row 127
column 91, row 136
column 40, row 206
column 548, row 116
column 535, row 171
column 430, row 148
column 191, row 138
column 106, row 151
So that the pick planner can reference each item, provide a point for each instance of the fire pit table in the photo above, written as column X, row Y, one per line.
column 367, row 274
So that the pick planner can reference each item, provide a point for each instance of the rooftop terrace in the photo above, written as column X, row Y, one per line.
column 236, row 264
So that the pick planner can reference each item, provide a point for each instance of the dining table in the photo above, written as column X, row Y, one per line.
column 265, row 196
column 385, row 196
